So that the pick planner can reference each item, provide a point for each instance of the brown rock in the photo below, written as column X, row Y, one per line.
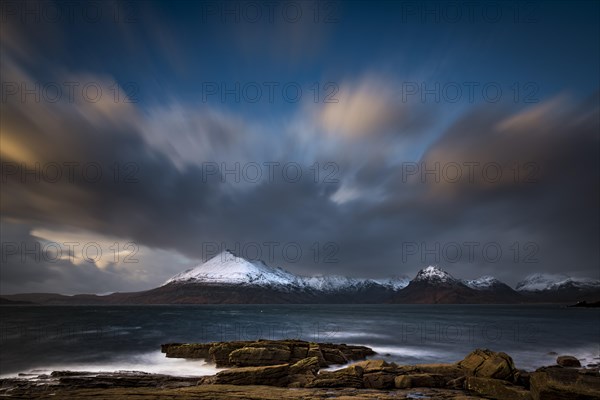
column 333, row 355
column 558, row 383
column 309, row 365
column 183, row 350
column 485, row 363
column 496, row 389
column 420, row 380
column 314, row 350
column 377, row 365
column 259, row 356
column 272, row 375
column 378, row 380
column 568, row 361
column 348, row 377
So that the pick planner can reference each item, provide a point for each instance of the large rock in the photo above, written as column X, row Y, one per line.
column 184, row 350
column 259, row 356
column 272, row 375
column 568, row 361
column 558, row 383
column 451, row 371
column 496, row 389
column 267, row 352
column 348, row 377
column 485, row 363
column 419, row 380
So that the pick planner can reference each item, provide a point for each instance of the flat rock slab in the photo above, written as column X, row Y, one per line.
column 227, row 392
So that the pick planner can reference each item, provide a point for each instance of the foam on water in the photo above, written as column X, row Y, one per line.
column 154, row 362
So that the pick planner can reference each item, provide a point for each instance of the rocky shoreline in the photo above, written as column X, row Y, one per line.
column 293, row 369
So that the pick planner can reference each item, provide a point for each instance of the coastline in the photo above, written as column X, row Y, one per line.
column 291, row 369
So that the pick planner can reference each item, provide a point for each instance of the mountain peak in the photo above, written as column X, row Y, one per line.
column 484, row 282
column 433, row 274
column 539, row 282
column 228, row 268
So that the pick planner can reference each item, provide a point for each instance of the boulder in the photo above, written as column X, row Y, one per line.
column 558, row 383
column 496, row 389
column 183, row 350
column 350, row 377
column 309, row 365
column 568, row 361
column 378, row 380
column 420, row 380
column 266, row 352
column 485, row 363
column 377, row 365
column 271, row 375
column 259, row 356
column 451, row 371
column 314, row 350
column 333, row 355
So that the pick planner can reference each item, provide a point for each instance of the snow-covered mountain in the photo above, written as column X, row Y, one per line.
column 545, row 282
column 227, row 268
column 433, row 274
column 485, row 282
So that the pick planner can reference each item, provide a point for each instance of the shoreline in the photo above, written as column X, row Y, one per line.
column 288, row 369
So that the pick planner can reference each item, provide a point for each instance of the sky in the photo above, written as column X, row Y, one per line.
column 353, row 138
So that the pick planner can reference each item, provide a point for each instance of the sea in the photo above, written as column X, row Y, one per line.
column 39, row 339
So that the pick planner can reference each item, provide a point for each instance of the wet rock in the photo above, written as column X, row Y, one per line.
column 271, row 375
column 259, row 356
column 485, row 363
column 558, row 383
column 348, row 377
column 266, row 352
column 305, row 366
column 568, row 361
column 496, row 389
column 420, row 380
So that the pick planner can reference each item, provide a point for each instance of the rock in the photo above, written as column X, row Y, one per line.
column 568, row 361
column 522, row 378
column 271, row 375
column 333, row 355
column 378, row 380
column 496, row 389
column 183, row 350
column 485, row 363
column 451, row 371
column 219, row 352
column 558, row 383
column 377, row 365
column 309, row 365
column 266, row 352
column 420, row 380
column 314, row 350
column 259, row 356
column 348, row 377
column 458, row 383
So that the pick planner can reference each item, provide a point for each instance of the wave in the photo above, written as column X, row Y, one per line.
column 153, row 362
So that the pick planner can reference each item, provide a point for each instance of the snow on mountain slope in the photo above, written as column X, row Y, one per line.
column 482, row 283
column 433, row 274
column 227, row 268
column 395, row 283
column 542, row 282
column 330, row 283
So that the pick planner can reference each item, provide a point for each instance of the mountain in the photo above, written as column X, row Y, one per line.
column 227, row 268
column 558, row 287
column 230, row 279
column 433, row 285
